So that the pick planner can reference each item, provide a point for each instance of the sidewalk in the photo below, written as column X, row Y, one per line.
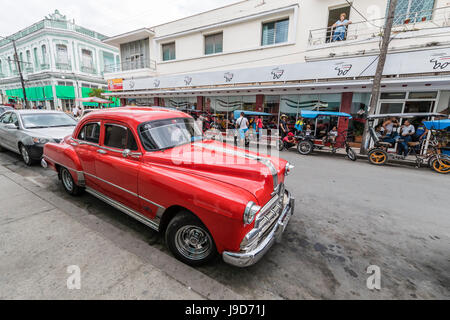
column 42, row 234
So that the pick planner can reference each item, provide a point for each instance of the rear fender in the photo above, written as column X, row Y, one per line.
column 64, row 155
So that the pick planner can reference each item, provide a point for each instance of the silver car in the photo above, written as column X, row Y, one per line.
column 27, row 131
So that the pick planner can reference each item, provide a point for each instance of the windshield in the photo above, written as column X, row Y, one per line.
column 47, row 120
column 169, row 133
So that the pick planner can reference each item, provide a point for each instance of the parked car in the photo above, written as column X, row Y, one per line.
column 153, row 164
column 5, row 108
column 87, row 111
column 27, row 131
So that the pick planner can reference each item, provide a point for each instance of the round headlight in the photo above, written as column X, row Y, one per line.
column 39, row 140
column 250, row 212
column 288, row 169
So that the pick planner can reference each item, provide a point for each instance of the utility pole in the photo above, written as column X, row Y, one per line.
column 19, row 68
column 379, row 72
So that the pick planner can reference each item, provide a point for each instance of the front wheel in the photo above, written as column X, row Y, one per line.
column 351, row 154
column 189, row 240
column 441, row 165
column 305, row 147
column 280, row 145
column 26, row 155
column 378, row 157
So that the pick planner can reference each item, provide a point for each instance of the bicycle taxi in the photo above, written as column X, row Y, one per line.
column 323, row 135
column 430, row 149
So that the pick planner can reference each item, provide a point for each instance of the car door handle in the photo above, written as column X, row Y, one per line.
column 101, row 151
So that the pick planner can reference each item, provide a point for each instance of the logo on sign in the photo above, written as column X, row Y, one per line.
column 228, row 76
column 342, row 70
column 440, row 63
column 277, row 73
column 188, row 80
column 156, row 83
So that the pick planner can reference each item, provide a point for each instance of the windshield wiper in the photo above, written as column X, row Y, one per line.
column 65, row 125
column 37, row 127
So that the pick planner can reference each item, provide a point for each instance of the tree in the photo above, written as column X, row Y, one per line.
column 96, row 93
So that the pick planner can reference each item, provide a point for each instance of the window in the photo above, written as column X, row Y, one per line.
column 135, row 55
column 62, row 56
column 423, row 95
column 214, row 43
column 168, row 50
column 90, row 133
column 410, row 11
column 14, row 119
column 65, row 83
column 119, row 137
column 5, row 118
column 44, row 54
column 393, row 95
column 87, row 61
column 275, row 32
column 36, row 59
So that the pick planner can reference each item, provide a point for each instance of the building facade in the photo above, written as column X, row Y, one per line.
column 280, row 56
column 60, row 62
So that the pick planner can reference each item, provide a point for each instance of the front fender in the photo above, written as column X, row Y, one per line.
column 220, row 206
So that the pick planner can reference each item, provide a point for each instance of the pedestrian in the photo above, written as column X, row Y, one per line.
column 340, row 26
column 75, row 111
column 283, row 126
column 242, row 123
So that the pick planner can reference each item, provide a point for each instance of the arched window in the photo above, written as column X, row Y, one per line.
column 62, row 56
column 36, row 58
column 44, row 54
column 1, row 66
column 21, row 60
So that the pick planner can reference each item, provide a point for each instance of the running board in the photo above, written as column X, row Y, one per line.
column 119, row 206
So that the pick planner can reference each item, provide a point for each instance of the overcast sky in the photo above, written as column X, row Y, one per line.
column 110, row 17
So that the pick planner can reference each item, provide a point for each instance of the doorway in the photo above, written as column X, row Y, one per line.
column 333, row 16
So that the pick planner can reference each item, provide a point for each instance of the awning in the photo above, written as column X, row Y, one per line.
column 94, row 100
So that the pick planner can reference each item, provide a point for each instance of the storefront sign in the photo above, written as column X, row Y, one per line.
column 115, row 84
column 413, row 62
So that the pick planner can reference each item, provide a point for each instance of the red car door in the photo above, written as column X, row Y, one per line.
column 86, row 144
column 117, row 164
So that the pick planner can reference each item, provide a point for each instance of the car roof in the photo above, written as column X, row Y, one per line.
column 136, row 115
column 36, row 111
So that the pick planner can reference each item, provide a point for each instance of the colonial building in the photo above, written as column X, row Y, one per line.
column 60, row 61
column 280, row 56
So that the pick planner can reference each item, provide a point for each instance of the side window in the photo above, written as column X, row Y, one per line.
column 5, row 118
column 119, row 137
column 90, row 133
column 14, row 119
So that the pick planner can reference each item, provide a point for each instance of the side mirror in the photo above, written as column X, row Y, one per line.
column 11, row 126
column 126, row 153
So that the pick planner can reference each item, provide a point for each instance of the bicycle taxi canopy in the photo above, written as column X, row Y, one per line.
column 438, row 124
column 308, row 114
column 406, row 115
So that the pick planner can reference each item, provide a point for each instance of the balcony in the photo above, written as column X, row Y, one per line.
column 63, row 66
column 432, row 20
column 90, row 70
column 131, row 65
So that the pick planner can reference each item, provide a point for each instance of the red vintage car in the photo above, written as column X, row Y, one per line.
column 154, row 165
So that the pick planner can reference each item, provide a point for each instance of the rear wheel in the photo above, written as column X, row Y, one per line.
column 305, row 147
column 189, row 240
column 441, row 165
column 68, row 182
column 378, row 157
column 280, row 145
column 351, row 154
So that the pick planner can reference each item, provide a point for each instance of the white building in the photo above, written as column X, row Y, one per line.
column 60, row 60
column 279, row 56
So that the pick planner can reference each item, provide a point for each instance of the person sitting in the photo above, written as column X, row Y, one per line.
column 390, row 133
column 289, row 140
column 308, row 131
column 332, row 135
column 406, row 131
column 421, row 132
column 379, row 131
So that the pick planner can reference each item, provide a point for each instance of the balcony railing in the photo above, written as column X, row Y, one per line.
column 366, row 30
column 90, row 70
column 131, row 65
column 63, row 66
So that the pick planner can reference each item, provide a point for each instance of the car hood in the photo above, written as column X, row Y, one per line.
column 226, row 163
column 53, row 133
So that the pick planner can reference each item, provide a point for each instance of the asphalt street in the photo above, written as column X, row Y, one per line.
column 349, row 216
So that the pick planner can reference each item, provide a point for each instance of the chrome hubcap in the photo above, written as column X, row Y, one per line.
column 67, row 180
column 25, row 155
column 193, row 242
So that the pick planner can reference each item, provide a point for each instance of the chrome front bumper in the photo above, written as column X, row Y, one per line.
column 245, row 259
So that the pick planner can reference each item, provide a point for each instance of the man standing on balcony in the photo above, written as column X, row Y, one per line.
column 340, row 26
